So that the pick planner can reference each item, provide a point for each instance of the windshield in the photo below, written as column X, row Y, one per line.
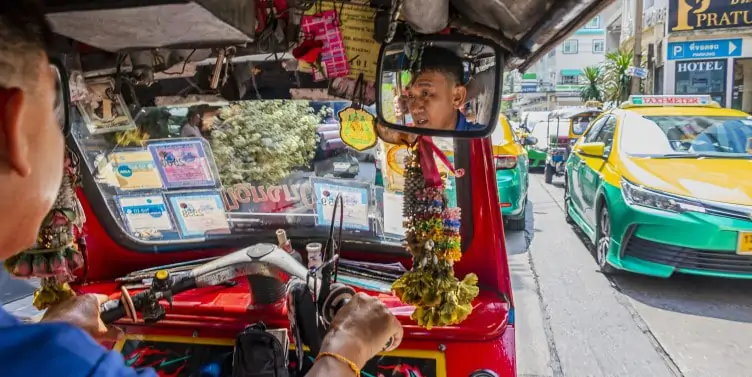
column 219, row 171
column 580, row 123
column 542, row 131
column 502, row 133
column 688, row 136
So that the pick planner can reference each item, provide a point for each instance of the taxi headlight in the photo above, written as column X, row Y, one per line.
column 640, row 196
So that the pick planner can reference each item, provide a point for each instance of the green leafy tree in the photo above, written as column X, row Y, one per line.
column 261, row 142
column 616, row 82
column 594, row 80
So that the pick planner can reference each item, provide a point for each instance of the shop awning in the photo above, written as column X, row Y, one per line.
column 571, row 72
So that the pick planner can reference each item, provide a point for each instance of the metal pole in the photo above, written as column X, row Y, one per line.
column 637, row 62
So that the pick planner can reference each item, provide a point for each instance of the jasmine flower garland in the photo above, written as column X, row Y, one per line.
column 433, row 240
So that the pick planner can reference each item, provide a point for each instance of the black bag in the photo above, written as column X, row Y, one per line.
column 258, row 353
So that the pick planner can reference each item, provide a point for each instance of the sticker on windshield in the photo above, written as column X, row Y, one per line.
column 356, row 197
column 182, row 163
column 749, row 145
column 146, row 216
column 199, row 213
column 393, row 219
column 135, row 170
column 103, row 110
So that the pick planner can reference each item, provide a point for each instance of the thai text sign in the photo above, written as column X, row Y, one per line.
column 688, row 15
column 719, row 48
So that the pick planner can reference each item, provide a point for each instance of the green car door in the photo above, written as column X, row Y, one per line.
column 591, row 176
column 576, row 168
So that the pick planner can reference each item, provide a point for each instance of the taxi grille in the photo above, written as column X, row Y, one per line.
column 683, row 257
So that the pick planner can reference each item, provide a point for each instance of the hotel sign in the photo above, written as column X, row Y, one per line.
column 689, row 15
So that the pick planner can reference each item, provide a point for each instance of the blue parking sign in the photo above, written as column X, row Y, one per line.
column 716, row 48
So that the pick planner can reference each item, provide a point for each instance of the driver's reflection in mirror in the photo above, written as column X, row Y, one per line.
column 438, row 92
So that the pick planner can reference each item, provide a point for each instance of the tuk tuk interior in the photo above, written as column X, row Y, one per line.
column 131, row 64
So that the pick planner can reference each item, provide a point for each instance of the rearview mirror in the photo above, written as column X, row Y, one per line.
column 62, row 95
column 592, row 149
column 531, row 140
column 440, row 85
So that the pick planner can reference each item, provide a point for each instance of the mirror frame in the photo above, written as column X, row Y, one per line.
column 65, row 87
column 495, row 106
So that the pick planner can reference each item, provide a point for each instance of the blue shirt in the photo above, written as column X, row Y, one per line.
column 464, row 125
column 56, row 349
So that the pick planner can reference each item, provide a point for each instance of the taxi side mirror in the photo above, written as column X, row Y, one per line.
column 592, row 149
column 530, row 140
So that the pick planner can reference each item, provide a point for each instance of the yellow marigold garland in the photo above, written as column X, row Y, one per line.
column 433, row 239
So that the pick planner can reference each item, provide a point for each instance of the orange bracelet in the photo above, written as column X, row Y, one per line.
column 342, row 359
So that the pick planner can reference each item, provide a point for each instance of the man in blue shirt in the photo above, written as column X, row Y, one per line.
column 438, row 92
column 31, row 168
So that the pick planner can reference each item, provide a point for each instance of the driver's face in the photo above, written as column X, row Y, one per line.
column 31, row 158
column 433, row 101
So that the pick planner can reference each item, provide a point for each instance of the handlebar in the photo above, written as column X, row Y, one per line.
column 260, row 259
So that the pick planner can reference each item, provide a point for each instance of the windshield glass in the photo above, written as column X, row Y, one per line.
column 541, row 132
column 502, row 133
column 688, row 135
column 581, row 122
column 218, row 171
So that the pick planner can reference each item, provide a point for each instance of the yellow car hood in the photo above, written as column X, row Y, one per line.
column 716, row 179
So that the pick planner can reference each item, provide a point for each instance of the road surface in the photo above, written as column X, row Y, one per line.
column 573, row 321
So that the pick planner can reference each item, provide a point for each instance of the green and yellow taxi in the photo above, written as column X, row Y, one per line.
column 536, row 155
column 511, row 161
column 663, row 184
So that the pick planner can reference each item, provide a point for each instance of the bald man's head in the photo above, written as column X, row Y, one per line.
column 31, row 141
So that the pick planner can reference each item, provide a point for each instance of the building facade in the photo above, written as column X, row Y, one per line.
column 692, row 47
column 557, row 78
column 709, row 50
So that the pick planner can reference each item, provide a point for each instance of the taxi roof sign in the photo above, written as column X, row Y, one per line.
column 670, row 100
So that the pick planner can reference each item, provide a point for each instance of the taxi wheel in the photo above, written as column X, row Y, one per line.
column 548, row 173
column 517, row 223
column 567, row 218
column 603, row 242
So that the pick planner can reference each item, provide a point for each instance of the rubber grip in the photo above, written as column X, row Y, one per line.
column 111, row 311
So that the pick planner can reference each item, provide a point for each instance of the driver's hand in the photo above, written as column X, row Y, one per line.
column 361, row 329
column 83, row 311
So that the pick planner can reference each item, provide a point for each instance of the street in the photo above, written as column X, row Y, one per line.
column 573, row 321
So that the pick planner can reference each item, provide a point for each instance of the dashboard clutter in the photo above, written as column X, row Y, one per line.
column 313, row 251
column 259, row 353
column 286, row 245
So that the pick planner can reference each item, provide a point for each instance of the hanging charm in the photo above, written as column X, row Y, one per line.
column 433, row 240
column 57, row 253
column 356, row 126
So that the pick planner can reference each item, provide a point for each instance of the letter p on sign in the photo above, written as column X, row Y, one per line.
column 678, row 51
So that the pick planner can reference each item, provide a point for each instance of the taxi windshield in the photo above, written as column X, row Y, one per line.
column 688, row 136
column 229, row 171
column 502, row 133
